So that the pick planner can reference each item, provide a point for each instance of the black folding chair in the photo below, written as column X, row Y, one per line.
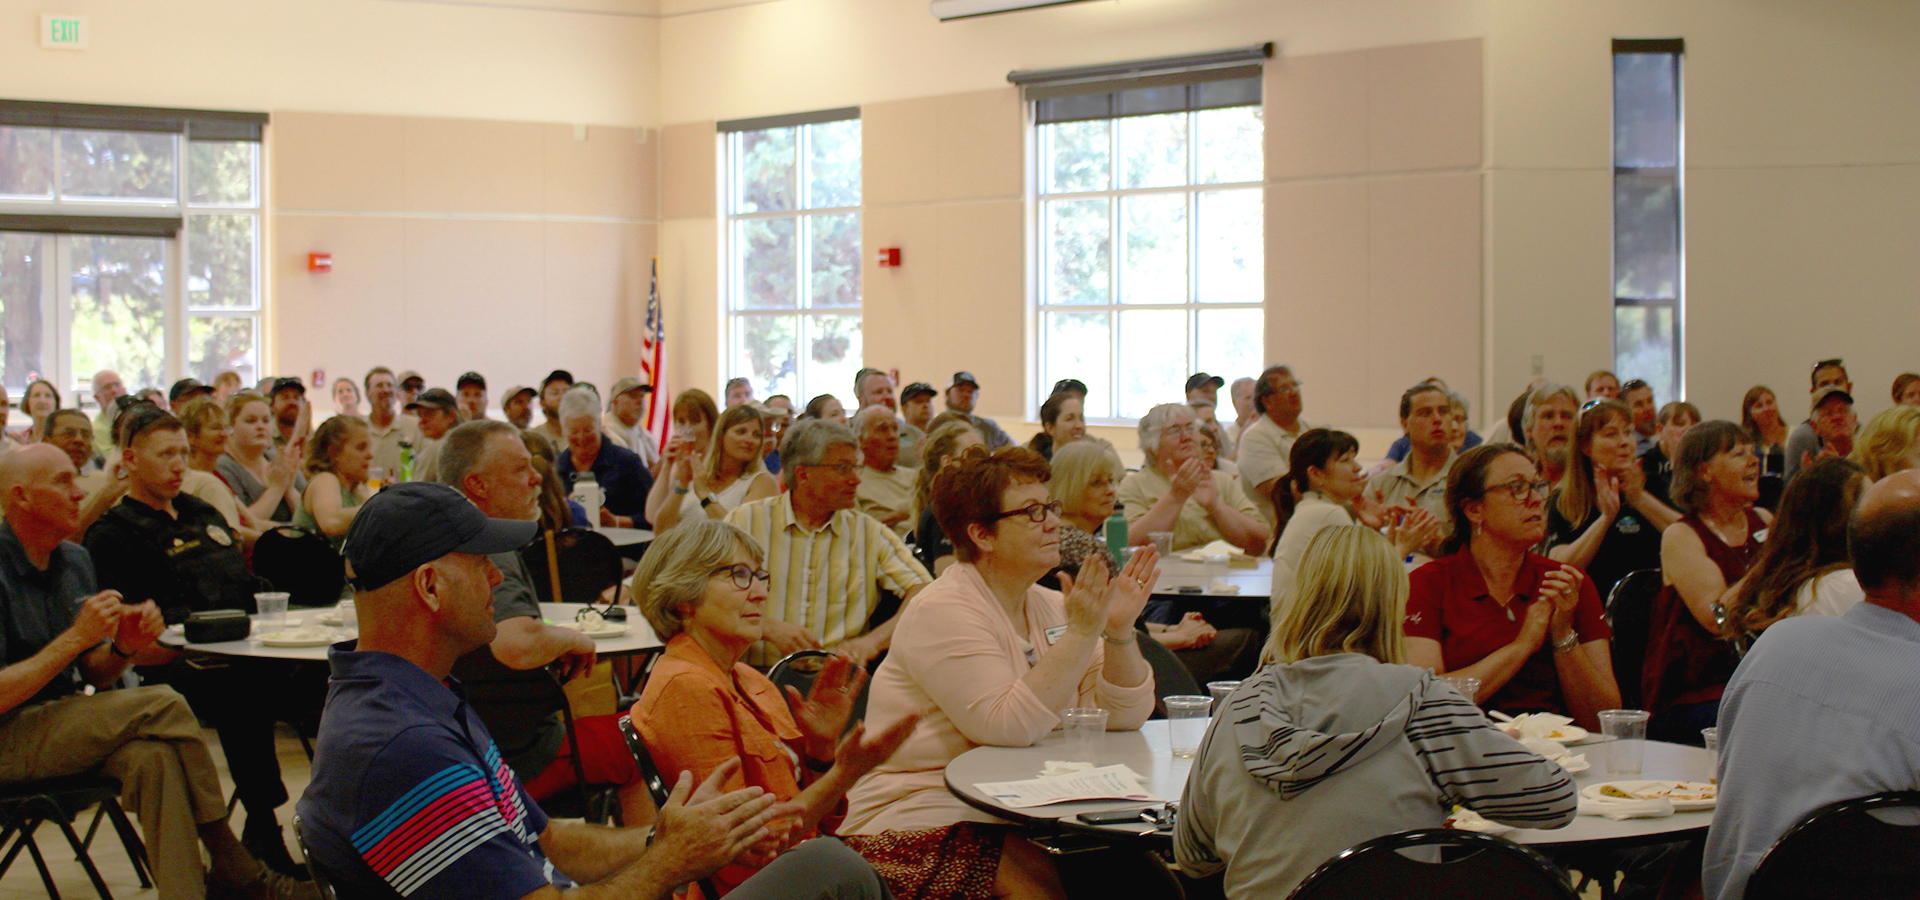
column 1630, row 618
column 657, row 787
column 1473, row 867
column 799, row 669
column 321, row 881
column 511, row 702
column 1844, row 850
column 1170, row 676
column 26, row 805
column 588, row 565
column 302, row 564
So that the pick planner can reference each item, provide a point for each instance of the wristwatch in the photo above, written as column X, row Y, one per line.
column 706, row 502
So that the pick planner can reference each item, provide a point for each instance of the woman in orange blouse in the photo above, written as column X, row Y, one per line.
column 702, row 588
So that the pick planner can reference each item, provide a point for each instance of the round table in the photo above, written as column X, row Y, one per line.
column 624, row 538
column 1255, row 582
column 1165, row 776
column 639, row 636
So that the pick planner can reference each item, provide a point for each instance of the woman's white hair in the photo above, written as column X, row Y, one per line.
column 1154, row 422
column 579, row 401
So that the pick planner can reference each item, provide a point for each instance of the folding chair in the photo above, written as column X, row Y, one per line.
column 1630, row 618
column 1473, row 867
column 321, row 881
column 657, row 786
column 1845, row 850
column 26, row 805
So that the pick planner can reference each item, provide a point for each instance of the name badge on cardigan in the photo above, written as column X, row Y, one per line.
column 1053, row 634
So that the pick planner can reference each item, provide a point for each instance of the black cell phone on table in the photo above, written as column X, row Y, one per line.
column 1114, row 817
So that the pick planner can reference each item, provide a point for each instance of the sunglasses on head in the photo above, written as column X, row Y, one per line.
column 1835, row 363
column 1633, row 385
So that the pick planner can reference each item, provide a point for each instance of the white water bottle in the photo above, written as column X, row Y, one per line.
column 586, row 492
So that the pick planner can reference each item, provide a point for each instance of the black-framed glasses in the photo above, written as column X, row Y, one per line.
column 744, row 575
column 1521, row 489
column 1035, row 511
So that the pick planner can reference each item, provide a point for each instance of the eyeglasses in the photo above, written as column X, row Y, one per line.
column 1035, row 511
column 1522, row 489
column 1187, row 428
column 842, row 469
column 744, row 575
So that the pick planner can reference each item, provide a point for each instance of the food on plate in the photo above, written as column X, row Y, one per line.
column 1670, row 790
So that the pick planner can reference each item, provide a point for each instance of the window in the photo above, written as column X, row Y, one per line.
column 1150, row 247
column 129, row 240
column 1648, row 241
column 793, row 252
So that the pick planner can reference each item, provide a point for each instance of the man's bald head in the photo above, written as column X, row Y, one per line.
column 38, row 493
column 1884, row 538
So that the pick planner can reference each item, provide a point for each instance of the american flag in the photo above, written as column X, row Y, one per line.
column 653, row 362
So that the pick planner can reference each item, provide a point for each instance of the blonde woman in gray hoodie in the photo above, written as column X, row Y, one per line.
column 1336, row 741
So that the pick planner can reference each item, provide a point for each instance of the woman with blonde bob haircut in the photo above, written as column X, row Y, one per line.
column 1336, row 741
column 1889, row 443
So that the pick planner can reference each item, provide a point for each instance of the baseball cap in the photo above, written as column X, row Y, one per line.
column 414, row 523
column 1070, row 384
column 1200, row 378
column 187, row 386
column 917, row 389
column 471, row 378
column 960, row 378
column 556, row 375
column 1829, row 392
column 281, row 384
column 410, row 375
column 438, row 398
column 626, row 384
column 515, row 391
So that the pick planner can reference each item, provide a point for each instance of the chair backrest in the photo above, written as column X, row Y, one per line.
column 589, row 564
column 320, row 880
column 1844, row 850
column 301, row 563
column 656, row 785
column 798, row 670
column 1630, row 618
column 1171, row 677
column 1473, row 867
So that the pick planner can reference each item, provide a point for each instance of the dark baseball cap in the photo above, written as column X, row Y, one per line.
column 438, row 398
column 1829, row 392
column 471, row 378
column 186, row 387
column 556, row 375
column 1200, row 378
column 960, row 378
column 410, row 376
column 414, row 523
column 1070, row 384
column 917, row 389
column 281, row 384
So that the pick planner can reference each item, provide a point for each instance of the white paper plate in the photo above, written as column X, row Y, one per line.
column 1592, row 792
column 328, row 618
column 1567, row 734
column 1575, row 766
column 598, row 633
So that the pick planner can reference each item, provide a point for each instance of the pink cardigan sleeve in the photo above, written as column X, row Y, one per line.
column 970, row 666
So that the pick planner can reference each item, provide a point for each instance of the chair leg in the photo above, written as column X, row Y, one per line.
column 86, row 861
column 99, row 812
column 39, row 862
column 130, row 840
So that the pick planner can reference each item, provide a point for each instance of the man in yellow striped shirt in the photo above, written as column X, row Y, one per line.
column 828, row 562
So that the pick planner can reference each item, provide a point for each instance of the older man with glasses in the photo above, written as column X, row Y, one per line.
column 1267, row 444
column 829, row 562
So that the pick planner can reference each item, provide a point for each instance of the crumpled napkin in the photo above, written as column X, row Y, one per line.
column 1216, row 586
column 1658, row 808
column 1217, row 548
column 1538, row 725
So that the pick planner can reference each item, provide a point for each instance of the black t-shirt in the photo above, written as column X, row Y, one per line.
column 1631, row 543
column 184, row 563
column 1659, row 471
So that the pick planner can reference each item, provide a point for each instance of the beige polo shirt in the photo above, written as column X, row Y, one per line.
column 1139, row 491
column 882, row 494
column 386, row 441
column 1262, row 456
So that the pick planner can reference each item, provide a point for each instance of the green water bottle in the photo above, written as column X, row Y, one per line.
column 406, row 461
column 1116, row 533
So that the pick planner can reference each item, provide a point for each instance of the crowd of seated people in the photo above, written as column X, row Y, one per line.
column 966, row 590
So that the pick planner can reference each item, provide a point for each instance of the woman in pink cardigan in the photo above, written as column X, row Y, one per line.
column 986, row 657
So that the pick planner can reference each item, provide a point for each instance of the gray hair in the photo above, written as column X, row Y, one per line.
column 1154, row 422
column 1540, row 396
column 578, row 401
column 1454, row 397
column 671, row 580
column 463, row 449
column 864, row 416
column 807, row 444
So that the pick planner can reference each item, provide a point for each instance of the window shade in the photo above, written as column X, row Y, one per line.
column 1145, row 87
column 196, row 124
column 118, row 226
column 789, row 120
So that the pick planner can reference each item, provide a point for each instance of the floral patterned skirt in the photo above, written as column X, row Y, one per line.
column 957, row 861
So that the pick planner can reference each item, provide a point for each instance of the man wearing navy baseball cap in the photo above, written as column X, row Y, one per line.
column 409, row 794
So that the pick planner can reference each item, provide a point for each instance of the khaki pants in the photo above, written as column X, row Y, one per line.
column 148, row 739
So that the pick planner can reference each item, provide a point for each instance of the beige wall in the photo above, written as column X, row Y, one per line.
column 510, row 248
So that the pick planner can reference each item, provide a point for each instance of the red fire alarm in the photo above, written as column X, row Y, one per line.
column 319, row 262
column 888, row 257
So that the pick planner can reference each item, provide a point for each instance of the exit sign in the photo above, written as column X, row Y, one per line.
column 63, row 32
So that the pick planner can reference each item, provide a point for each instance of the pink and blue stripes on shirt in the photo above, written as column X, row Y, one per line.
column 440, row 820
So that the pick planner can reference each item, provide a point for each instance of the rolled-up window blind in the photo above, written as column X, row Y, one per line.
column 196, row 124
column 1145, row 87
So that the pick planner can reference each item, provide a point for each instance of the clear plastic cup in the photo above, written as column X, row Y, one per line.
column 1626, row 730
column 1220, row 690
column 1086, row 727
column 1187, row 722
column 1163, row 542
column 1711, row 740
column 349, row 616
column 272, row 606
column 1467, row 685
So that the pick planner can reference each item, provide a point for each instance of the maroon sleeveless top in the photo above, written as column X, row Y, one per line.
column 1686, row 663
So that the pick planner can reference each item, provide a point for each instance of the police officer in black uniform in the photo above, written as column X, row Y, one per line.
column 177, row 550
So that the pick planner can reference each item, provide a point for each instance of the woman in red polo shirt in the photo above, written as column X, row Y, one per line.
column 1532, row 630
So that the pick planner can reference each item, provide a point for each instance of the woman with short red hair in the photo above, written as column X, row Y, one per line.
column 987, row 657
